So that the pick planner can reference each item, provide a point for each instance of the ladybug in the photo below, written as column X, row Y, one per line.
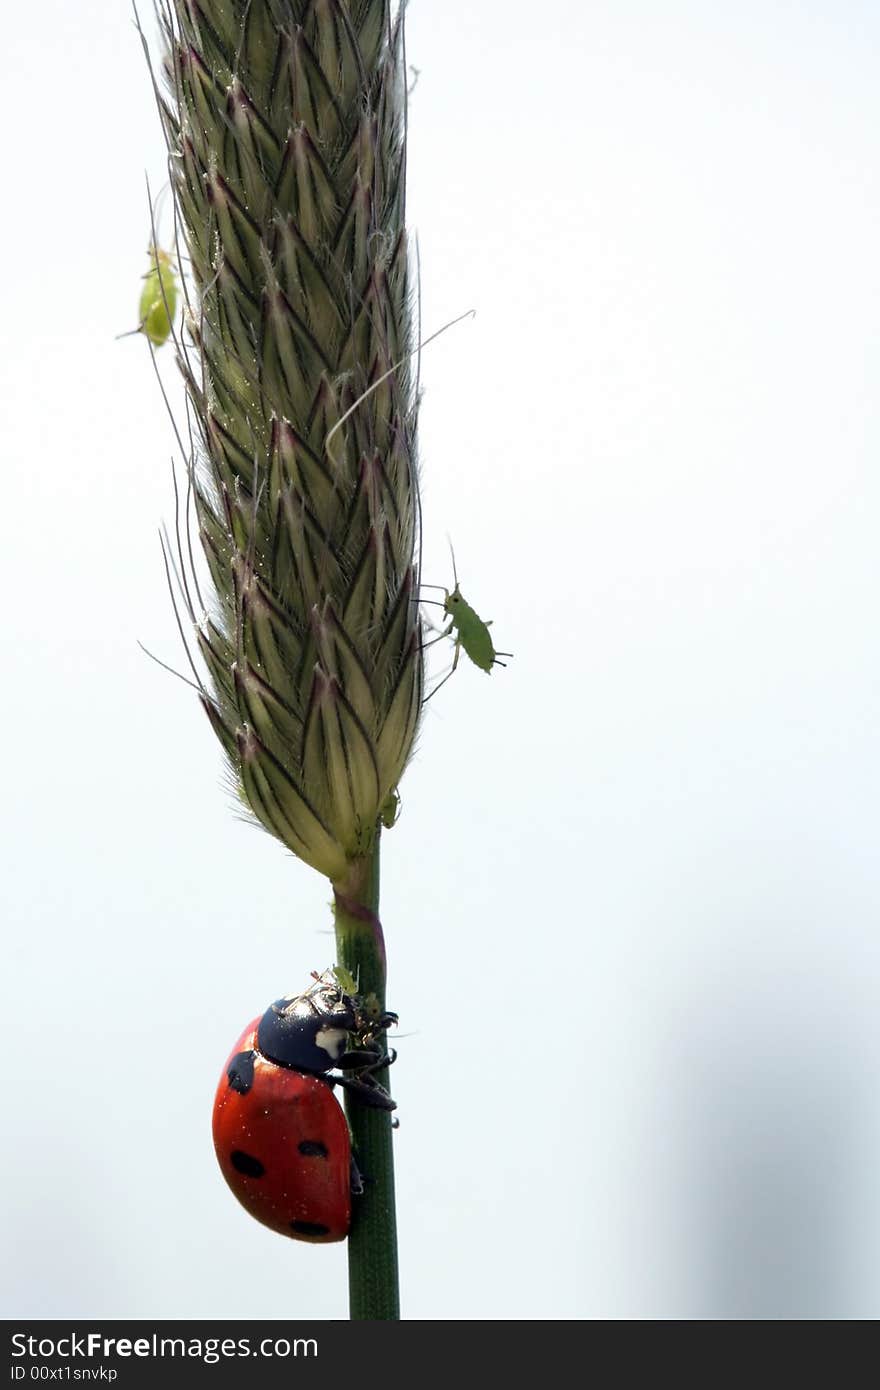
column 281, row 1137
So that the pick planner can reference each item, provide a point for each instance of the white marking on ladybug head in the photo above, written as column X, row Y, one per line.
column 331, row 1041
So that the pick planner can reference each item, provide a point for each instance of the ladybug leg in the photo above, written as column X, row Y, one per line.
column 367, row 1090
column 358, row 1059
column 365, row 1060
column 380, row 1060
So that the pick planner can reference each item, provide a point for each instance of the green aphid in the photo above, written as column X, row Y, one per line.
column 345, row 979
column 390, row 812
column 158, row 298
column 471, row 631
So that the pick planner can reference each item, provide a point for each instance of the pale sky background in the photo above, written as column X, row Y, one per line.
column 632, row 903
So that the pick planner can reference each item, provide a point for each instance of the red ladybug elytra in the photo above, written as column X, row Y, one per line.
column 281, row 1137
column 283, row 1146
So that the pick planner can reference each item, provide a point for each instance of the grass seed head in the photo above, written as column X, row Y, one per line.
column 284, row 122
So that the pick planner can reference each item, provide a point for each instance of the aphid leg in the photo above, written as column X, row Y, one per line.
column 132, row 331
column 447, row 676
column 434, row 640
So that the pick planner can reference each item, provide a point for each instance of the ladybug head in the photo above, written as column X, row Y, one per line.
column 309, row 1031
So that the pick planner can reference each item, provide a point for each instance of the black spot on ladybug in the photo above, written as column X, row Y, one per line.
column 241, row 1072
column 313, row 1148
column 246, row 1163
column 309, row 1228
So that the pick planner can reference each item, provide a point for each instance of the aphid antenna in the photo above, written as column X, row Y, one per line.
column 452, row 553
column 157, row 209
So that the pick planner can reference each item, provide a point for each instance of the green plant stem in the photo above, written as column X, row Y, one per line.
column 372, row 1244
